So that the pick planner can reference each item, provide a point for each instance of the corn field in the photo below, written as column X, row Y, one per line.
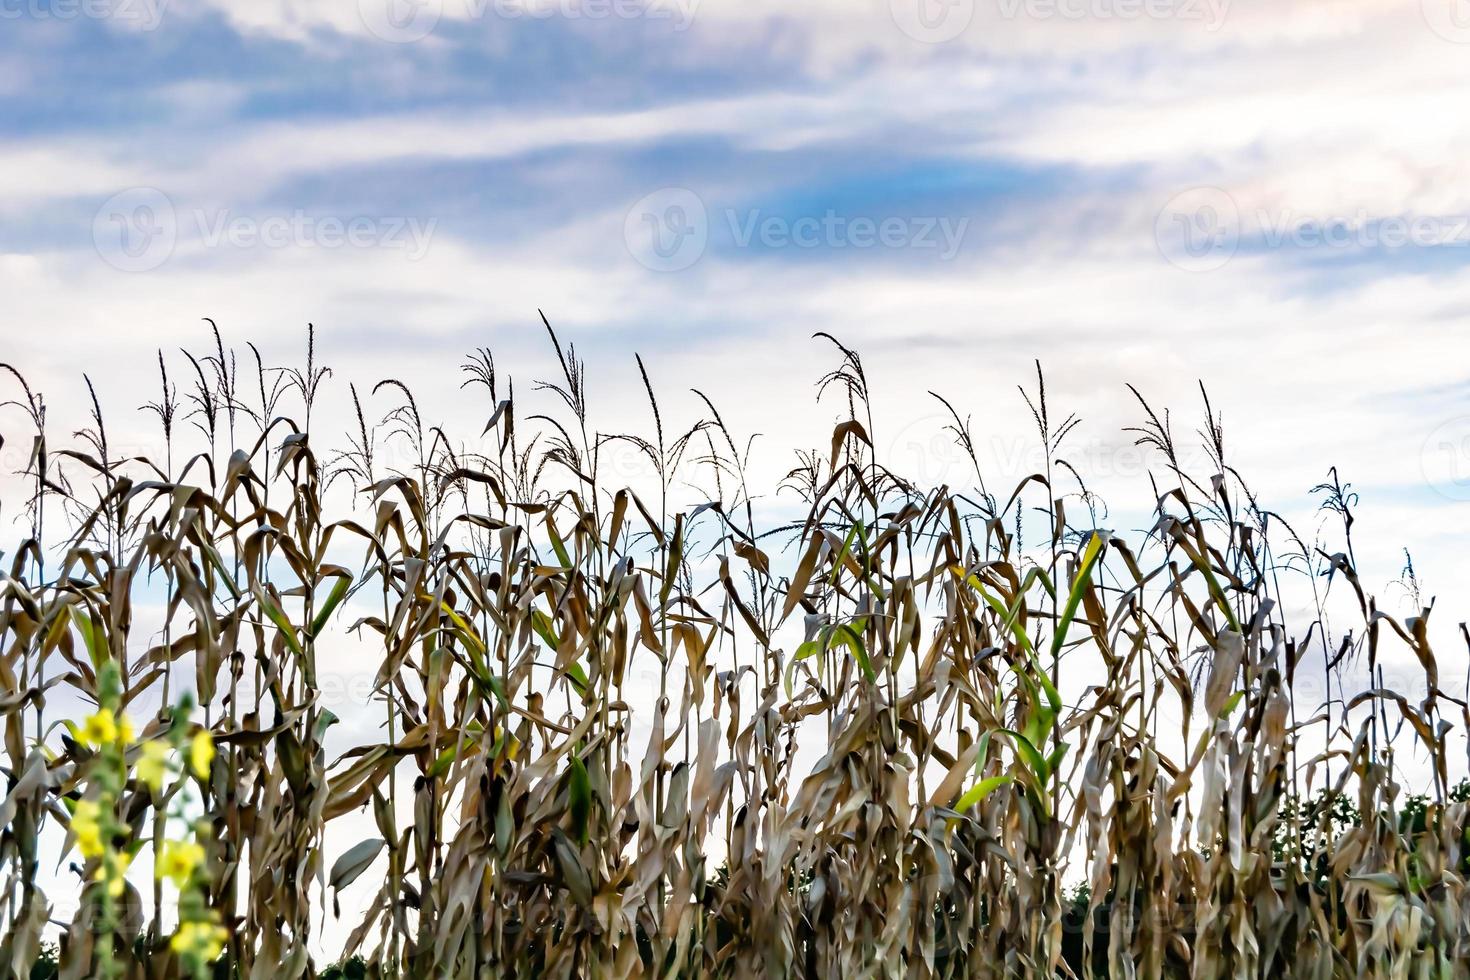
column 912, row 731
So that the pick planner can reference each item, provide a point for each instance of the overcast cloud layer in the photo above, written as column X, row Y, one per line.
column 1266, row 196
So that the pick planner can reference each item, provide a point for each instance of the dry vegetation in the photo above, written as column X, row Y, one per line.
column 863, row 756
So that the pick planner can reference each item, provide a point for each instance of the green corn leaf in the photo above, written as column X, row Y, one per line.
column 854, row 641
column 1004, row 613
column 334, row 599
column 580, row 791
column 1030, row 755
column 1079, row 586
column 852, row 534
column 541, row 623
column 97, row 649
column 979, row 791
column 282, row 623
column 219, row 566
column 557, row 545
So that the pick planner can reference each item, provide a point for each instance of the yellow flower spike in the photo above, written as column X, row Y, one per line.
column 215, row 940
column 152, row 766
column 113, row 871
column 89, row 842
column 201, row 754
column 87, row 811
column 100, row 729
column 178, row 861
column 199, row 941
column 86, row 824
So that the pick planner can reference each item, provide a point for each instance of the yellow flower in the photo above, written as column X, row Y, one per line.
column 199, row 941
column 178, row 861
column 85, row 823
column 100, row 729
column 89, row 842
column 114, row 867
column 201, row 754
column 151, row 767
column 125, row 730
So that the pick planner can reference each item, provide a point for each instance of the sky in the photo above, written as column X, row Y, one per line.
column 1266, row 197
column 1262, row 197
